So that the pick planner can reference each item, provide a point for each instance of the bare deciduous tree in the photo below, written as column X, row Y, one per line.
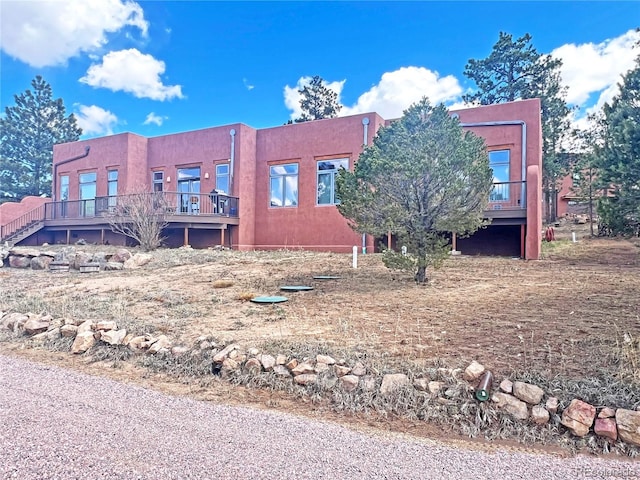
column 141, row 216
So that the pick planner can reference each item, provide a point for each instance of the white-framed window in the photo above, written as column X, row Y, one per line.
column 158, row 181
column 283, row 185
column 64, row 187
column 87, row 184
column 499, row 163
column 326, row 176
column 112, row 187
column 222, row 178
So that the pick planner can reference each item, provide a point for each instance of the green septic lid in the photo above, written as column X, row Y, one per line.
column 296, row 288
column 269, row 299
column 325, row 277
column 482, row 394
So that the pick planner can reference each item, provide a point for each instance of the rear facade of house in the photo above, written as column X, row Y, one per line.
column 273, row 188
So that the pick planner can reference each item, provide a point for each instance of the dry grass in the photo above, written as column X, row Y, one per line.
column 570, row 322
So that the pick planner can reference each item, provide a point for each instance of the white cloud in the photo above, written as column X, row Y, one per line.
column 292, row 97
column 133, row 72
column 47, row 33
column 95, row 120
column 595, row 69
column 153, row 118
column 397, row 90
column 393, row 94
column 247, row 85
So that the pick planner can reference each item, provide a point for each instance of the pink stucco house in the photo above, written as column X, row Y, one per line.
column 271, row 188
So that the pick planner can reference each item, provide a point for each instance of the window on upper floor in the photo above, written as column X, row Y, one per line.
column 112, row 187
column 158, row 181
column 64, row 187
column 222, row 178
column 326, row 177
column 283, row 185
column 499, row 163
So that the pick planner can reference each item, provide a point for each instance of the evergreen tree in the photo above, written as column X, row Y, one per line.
column 515, row 70
column 28, row 132
column 619, row 158
column 422, row 177
column 318, row 101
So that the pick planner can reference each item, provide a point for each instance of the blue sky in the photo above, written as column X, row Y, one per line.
column 162, row 67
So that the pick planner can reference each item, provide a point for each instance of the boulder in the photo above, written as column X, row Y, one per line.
column 176, row 351
column 113, row 337
column 349, row 382
column 281, row 371
column 606, row 427
column 40, row 263
column 105, row 325
column 506, row 386
column 532, row 394
column 10, row 320
column 281, row 359
column 392, row 382
column 539, row 415
column 341, row 370
column 303, row 368
column 291, row 364
column 267, row 361
column 24, row 252
column 19, row 262
column 369, row 383
column 68, row 331
column 138, row 260
column 578, row 417
column 224, row 353
column 552, row 404
column 628, row 423
column 510, row 404
column 80, row 258
column 325, row 359
column 359, row 369
column 306, row 379
column 421, row 384
column 83, row 342
column 86, row 326
column 473, row 371
column 161, row 342
column 121, row 255
column 50, row 335
column 136, row 343
column 435, row 387
column 35, row 325
column 253, row 365
column 607, row 412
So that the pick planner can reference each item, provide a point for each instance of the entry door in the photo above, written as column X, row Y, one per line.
column 189, row 190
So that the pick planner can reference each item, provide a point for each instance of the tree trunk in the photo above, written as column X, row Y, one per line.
column 421, row 275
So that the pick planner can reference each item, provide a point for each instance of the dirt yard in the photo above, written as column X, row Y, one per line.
column 566, row 314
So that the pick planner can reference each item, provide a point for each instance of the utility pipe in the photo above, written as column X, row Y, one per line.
column 54, row 190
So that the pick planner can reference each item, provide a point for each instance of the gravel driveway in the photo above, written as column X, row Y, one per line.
column 59, row 424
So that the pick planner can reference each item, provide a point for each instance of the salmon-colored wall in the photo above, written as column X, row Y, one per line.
column 244, row 187
column 306, row 225
column 9, row 211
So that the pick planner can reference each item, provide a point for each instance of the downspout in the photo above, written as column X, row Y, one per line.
column 365, row 135
column 55, row 170
column 232, row 158
column 524, row 148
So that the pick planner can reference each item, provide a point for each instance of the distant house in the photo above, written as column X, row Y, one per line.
column 272, row 188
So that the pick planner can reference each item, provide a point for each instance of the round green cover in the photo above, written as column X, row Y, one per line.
column 269, row 299
column 325, row 277
column 296, row 288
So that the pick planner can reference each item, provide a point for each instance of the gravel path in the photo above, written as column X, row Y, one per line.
column 59, row 424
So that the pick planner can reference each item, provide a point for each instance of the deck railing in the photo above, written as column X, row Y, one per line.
column 21, row 223
column 508, row 196
column 172, row 203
